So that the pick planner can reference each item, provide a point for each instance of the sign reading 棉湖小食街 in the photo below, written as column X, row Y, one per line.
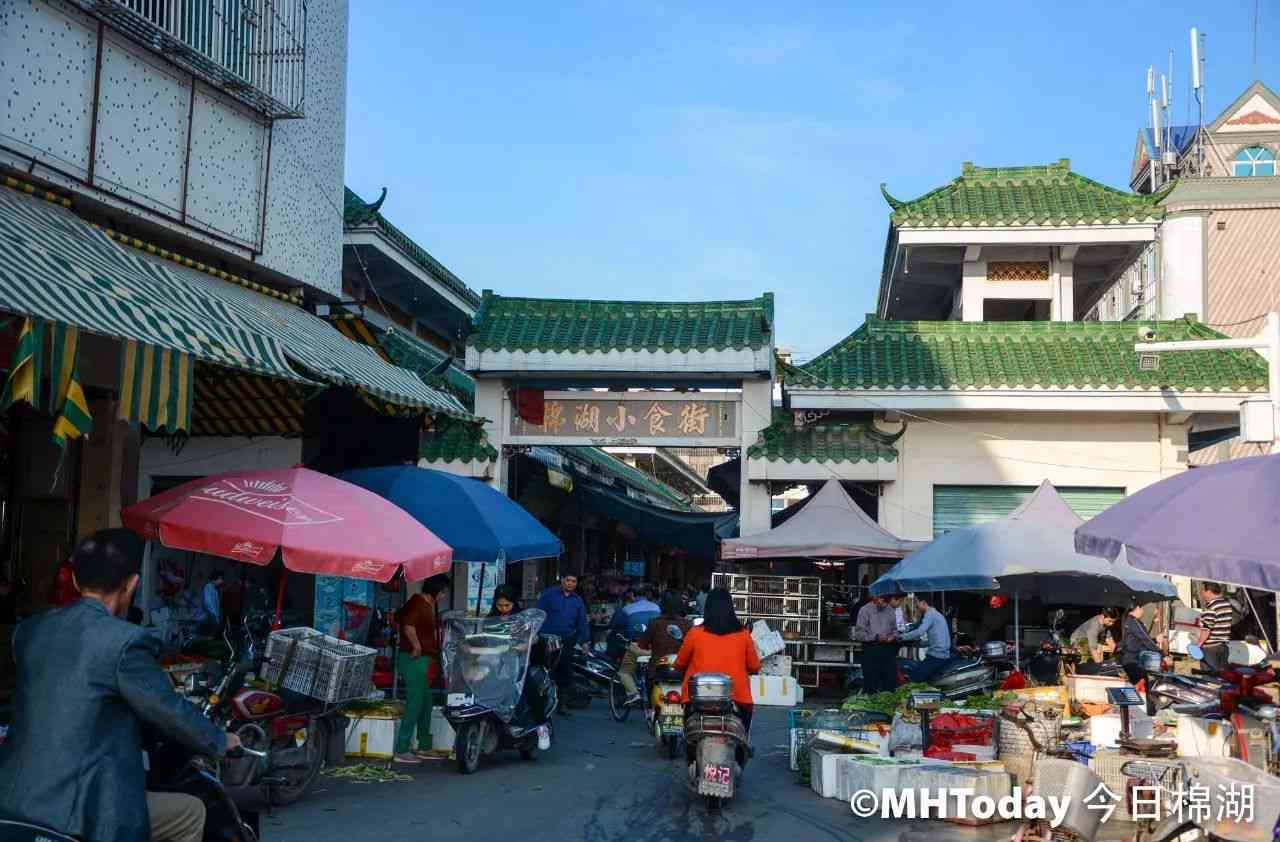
column 632, row 418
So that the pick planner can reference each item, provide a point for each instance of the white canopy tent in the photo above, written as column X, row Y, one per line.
column 829, row 526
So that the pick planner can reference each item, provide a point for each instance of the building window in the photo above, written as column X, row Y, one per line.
column 1256, row 160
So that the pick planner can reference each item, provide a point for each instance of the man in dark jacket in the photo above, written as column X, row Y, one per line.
column 87, row 683
column 567, row 619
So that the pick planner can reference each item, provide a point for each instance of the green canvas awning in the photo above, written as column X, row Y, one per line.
column 324, row 352
column 56, row 267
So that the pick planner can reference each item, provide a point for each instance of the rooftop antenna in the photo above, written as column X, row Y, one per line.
column 1155, row 128
column 1197, row 87
column 1256, row 17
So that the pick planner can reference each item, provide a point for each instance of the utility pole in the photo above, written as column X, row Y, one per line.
column 1267, row 342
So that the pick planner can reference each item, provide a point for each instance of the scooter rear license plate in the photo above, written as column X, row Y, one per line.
column 716, row 780
column 458, row 700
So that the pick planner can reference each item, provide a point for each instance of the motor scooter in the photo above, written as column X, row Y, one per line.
column 500, row 691
column 665, row 712
column 716, row 739
column 172, row 768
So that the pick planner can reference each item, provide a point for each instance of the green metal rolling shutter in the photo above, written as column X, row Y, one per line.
column 956, row 506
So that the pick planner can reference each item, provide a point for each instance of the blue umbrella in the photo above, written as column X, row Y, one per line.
column 479, row 522
column 1021, row 559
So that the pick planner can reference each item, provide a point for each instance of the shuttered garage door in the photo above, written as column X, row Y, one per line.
column 955, row 506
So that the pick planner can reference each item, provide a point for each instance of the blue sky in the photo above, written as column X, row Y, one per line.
column 718, row 150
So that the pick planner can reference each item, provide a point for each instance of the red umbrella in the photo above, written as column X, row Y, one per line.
column 319, row 524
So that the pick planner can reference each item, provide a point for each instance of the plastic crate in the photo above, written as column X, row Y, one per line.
column 313, row 664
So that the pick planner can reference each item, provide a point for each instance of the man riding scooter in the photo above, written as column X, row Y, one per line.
column 87, row 683
column 630, row 622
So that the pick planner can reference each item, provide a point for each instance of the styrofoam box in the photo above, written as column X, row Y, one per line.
column 775, row 690
column 372, row 736
column 776, row 665
column 441, row 731
column 936, row 777
column 823, row 777
column 768, row 644
column 1201, row 737
column 1092, row 688
column 874, row 773
column 1181, row 638
column 1104, row 729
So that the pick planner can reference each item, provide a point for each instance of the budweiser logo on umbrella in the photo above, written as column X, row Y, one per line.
column 317, row 523
column 273, row 501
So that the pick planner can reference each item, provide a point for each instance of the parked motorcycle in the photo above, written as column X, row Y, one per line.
column 715, row 739
column 294, row 728
column 500, row 691
column 596, row 672
column 967, row 675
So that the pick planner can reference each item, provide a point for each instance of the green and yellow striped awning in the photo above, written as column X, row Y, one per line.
column 400, row 348
column 232, row 403
column 328, row 355
column 56, row 267
column 25, row 379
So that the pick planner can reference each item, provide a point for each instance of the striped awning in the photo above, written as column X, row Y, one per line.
column 327, row 354
column 56, row 267
column 232, row 403
column 406, row 351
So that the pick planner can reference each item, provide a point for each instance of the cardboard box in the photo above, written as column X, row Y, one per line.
column 774, row 690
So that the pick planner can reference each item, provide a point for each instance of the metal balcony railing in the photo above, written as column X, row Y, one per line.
column 255, row 50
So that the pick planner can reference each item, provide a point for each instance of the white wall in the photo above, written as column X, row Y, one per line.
column 203, row 456
column 1182, row 266
column 49, row 51
column 1079, row 449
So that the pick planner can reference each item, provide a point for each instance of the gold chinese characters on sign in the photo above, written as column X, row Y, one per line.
column 612, row 419
column 1030, row 270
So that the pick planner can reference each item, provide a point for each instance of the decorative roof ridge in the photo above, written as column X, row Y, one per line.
column 764, row 302
column 1059, row 170
column 359, row 213
column 356, row 211
column 894, row 204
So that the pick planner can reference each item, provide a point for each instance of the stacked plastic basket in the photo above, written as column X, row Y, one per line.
column 313, row 664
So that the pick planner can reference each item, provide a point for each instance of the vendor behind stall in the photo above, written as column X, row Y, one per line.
column 876, row 628
column 1095, row 635
column 1134, row 640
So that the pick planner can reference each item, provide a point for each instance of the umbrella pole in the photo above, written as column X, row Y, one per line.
column 1017, row 636
column 480, row 593
column 276, row 624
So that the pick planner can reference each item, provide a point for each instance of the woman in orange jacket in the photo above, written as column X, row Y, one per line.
column 721, row 644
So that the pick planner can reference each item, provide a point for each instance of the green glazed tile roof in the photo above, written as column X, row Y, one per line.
column 455, row 441
column 357, row 213
column 1040, row 195
column 854, row 442
column 993, row 355
column 563, row 325
column 610, row 464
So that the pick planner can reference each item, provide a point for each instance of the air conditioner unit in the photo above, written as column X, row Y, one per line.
column 1136, row 289
column 1170, row 159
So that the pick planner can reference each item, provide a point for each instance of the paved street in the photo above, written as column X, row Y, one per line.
column 602, row 781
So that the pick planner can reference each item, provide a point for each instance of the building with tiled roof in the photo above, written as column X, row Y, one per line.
column 1010, row 243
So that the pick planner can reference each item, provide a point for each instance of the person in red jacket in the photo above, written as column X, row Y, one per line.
column 721, row 644
column 64, row 590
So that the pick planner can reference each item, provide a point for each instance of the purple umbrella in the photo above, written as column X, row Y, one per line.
column 1220, row 523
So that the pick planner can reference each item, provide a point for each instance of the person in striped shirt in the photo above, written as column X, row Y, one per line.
column 1215, row 626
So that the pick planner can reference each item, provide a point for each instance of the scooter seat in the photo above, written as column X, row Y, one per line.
column 668, row 675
